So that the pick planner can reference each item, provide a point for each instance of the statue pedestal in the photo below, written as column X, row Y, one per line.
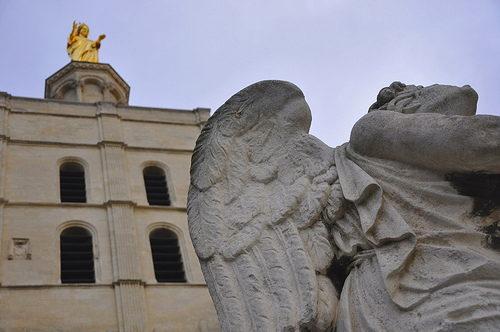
column 87, row 82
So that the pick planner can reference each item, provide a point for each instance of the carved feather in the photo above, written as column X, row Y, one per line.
column 303, row 273
column 327, row 305
column 206, row 221
column 254, row 293
column 318, row 246
column 206, row 165
column 272, row 260
column 236, row 172
column 225, row 293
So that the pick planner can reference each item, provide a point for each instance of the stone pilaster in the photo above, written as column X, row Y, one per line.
column 127, row 275
column 202, row 115
column 78, row 86
column 4, row 137
column 131, row 300
column 115, row 182
column 4, row 115
column 124, row 242
column 110, row 127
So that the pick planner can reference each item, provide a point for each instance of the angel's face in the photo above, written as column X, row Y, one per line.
column 446, row 99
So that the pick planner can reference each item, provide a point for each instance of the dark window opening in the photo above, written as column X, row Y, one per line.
column 156, row 186
column 77, row 256
column 72, row 183
column 167, row 258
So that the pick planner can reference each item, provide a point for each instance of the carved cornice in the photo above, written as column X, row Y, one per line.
column 5, row 99
column 201, row 114
column 74, row 65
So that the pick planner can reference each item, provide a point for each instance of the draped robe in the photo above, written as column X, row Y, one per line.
column 423, row 258
column 82, row 49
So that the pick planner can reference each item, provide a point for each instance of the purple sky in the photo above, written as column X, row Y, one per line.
column 187, row 54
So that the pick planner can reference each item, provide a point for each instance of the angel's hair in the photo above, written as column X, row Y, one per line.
column 396, row 97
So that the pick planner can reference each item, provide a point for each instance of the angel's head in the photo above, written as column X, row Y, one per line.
column 443, row 99
column 270, row 102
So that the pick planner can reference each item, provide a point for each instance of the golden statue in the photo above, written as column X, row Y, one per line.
column 80, row 48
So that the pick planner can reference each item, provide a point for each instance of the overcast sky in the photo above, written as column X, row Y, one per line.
column 187, row 54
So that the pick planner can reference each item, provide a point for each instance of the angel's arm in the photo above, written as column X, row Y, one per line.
column 450, row 143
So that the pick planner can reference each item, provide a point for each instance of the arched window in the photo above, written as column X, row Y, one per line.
column 72, row 183
column 167, row 258
column 156, row 186
column 77, row 256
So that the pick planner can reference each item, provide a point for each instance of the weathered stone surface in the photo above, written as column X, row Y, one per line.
column 395, row 230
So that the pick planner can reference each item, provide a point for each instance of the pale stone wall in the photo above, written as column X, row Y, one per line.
column 52, row 128
column 58, row 308
column 33, row 171
column 114, row 143
column 43, row 225
column 155, row 135
column 175, row 164
column 180, row 319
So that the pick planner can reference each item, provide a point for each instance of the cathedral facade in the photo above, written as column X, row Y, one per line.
column 93, row 222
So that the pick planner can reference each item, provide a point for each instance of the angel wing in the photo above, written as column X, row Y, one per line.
column 259, row 185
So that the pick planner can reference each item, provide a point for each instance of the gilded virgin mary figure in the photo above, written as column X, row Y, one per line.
column 80, row 48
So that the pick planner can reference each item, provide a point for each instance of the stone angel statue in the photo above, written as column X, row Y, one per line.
column 79, row 47
column 407, row 213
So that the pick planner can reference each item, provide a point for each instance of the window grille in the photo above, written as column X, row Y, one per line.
column 156, row 186
column 167, row 258
column 72, row 183
column 77, row 256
